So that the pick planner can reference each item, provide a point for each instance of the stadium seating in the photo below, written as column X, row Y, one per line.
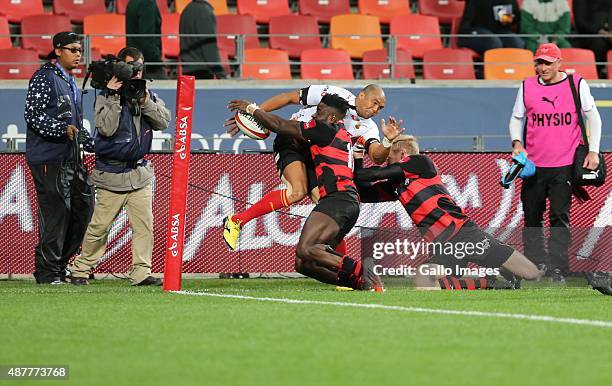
column 447, row 11
column 295, row 26
column 77, row 9
column 384, row 9
column 15, row 10
column 263, row 10
column 171, row 45
column 266, row 64
column 5, row 41
column 111, row 30
column 224, row 57
column 45, row 26
column 508, row 64
column 18, row 70
column 609, row 65
column 228, row 26
column 324, row 10
column 409, row 30
column 375, row 67
column 357, row 26
column 579, row 61
column 122, row 5
column 326, row 63
column 219, row 6
column 458, row 64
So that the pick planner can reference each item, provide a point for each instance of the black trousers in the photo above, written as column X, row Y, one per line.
column 552, row 184
column 65, row 206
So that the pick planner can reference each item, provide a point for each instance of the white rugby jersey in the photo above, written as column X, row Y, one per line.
column 353, row 123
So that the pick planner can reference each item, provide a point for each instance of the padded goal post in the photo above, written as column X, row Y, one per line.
column 175, row 235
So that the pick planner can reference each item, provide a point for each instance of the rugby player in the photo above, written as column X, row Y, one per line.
column 413, row 179
column 338, row 207
column 292, row 156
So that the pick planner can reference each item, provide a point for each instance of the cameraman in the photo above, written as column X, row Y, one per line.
column 123, row 178
column 54, row 117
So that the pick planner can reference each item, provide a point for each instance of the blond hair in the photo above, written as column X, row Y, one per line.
column 406, row 142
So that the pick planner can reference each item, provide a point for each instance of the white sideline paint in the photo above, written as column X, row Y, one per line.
column 538, row 318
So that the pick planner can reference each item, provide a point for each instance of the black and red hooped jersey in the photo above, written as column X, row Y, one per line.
column 416, row 183
column 330, row 147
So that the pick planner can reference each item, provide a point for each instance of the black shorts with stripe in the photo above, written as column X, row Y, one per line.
column 343, row 208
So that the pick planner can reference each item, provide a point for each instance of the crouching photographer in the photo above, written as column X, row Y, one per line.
column 126, row 113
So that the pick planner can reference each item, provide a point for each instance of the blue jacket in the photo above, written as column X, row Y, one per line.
column 50, row 107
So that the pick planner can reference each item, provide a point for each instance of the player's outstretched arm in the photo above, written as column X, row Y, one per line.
column 271, row 121
column 281, row 100
column 377, row 173
column 379, row 152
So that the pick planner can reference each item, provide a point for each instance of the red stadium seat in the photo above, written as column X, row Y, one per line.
column 326, row 63
column 5, row 41
column 18, row 71
column 457, row 64
column 171, row 45
column 219, row 6
column 122, row 5
column 414, row 29
column 266, row 64
column 15, row 10
column 324, row 10
column 294, row 26
column 46, row 26
column 77, row 9
column 446, row 11
column 263, row 10
column 375, row 65
column 579, row 61
column 224, row 56
column 228, row 26
column 110, row 29
column 384, row 9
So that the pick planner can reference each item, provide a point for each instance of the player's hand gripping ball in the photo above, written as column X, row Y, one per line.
column 250, row 127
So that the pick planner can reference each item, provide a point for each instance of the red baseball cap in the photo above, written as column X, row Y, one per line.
column 548, row 52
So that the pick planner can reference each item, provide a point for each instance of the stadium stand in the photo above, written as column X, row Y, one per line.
column 110, row 29
column 77, row 9
column 447, row 11
column 375, row 65
column 219, row 6
column 410, row 31
column 609, row 65
column 23, row 63
column 384, row 9
column 45, row 26
column 296, row 27
column 363, row 34
column 266, row 64
column 324, row 10
column 326, row 63
column 263, row 10
column 228, row 26
column 579, row 61
column 457, row 64
column 15, row 10
column 171, row 46
column 508, row 64
column 122, row 5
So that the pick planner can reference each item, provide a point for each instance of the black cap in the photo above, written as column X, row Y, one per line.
column 62, row 39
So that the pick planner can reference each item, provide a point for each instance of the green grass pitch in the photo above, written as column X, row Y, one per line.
column 112, row 334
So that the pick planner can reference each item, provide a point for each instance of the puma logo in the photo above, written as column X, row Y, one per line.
column 544, row 99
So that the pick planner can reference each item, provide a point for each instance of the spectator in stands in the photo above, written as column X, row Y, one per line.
column 54, row 117
column 594, row 17
column 123, row 178
column 198, row 18
column 143, row 17
column 490, row 17
column 545, row 17
column 550, row 142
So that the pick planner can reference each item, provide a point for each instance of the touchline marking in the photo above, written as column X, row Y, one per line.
column 539, row 318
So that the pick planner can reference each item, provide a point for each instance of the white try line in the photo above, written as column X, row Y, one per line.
column 539, row 318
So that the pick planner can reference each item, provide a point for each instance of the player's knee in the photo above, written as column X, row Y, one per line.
column 299, row 266
column 297, row 194
column 304, row 252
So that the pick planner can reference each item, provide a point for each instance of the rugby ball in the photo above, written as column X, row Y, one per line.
column 250, row 127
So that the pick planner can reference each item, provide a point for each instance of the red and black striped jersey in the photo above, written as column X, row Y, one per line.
column 416, row 183
column 330, row 147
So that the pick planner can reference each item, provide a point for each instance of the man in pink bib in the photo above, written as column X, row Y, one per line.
column 544, row 125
